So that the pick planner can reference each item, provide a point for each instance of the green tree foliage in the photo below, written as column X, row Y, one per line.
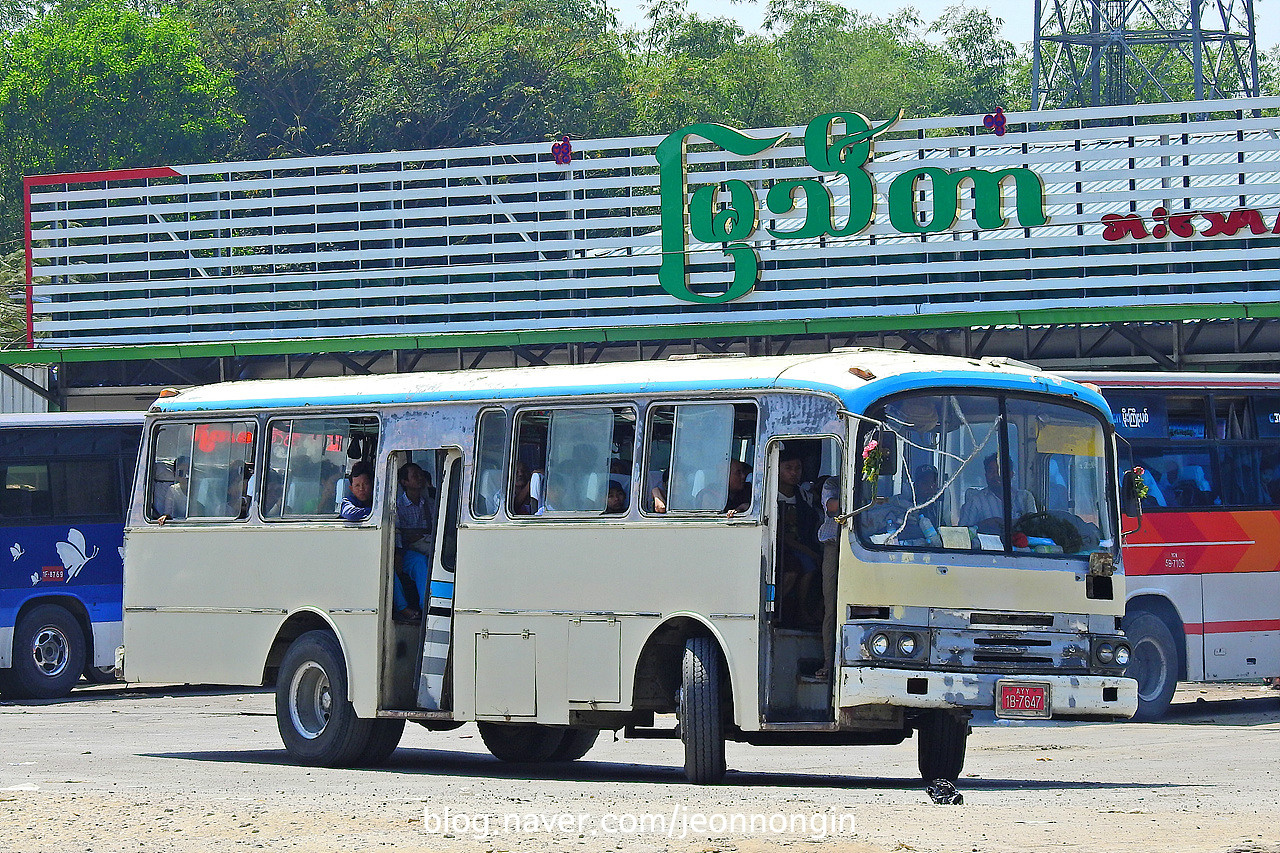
column 437, row 73
column 102, row 87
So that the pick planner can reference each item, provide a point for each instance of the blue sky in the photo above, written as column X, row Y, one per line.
column 1018, row 15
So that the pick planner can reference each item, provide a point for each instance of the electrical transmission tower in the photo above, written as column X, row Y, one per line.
column 1108, row 52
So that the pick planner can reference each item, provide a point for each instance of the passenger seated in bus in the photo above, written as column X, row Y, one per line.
column 273, row 494
column 984, row 508
column 616, row 502
column 234, row 503
column 739, row 496
column 801, row 562
column 356, row 506
column 558, row 497
column 658, row 494
column 171, row 503
column 522, row 501
column 413, row 509
column 919, row 526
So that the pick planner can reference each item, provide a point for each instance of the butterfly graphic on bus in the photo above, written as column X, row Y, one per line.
column 74, row 553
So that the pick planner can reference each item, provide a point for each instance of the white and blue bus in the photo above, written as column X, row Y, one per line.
column 64, row 485
column 613, row 542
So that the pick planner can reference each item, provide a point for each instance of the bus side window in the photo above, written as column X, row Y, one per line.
column 491, row 463
column 694, row 452
column 565, row 459
column 307, row 464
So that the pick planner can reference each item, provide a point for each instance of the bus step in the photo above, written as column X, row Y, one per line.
column 651, row 734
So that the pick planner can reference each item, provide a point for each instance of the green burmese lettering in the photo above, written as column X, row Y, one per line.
column 902, row 201
column 849, row 158
column 988, row 191
column 673, row 194
column 736, row 222
column 781, row 199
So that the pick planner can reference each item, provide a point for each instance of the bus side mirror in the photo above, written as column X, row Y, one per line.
column 1132, row 490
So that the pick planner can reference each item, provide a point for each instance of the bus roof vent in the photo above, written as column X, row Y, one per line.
column 1005, row 361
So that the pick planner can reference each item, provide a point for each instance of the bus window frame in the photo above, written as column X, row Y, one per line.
column 371, row 520
column 149, row 492
column 757, row 497
column 473, row 478
column 513, row 449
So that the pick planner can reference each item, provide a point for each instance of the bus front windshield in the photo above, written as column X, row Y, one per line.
column 932, row 475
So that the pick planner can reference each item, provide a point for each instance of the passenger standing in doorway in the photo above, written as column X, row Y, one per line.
column 801, row 562
column 829, row 538
column 413, row 543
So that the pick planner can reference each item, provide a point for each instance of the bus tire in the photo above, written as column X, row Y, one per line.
column 521, row 743
column 940, row 745
column 1153, row 663
column 576, row 743
column 317, row 723
column 383, row 741
column 701, row 719
column 48, row 654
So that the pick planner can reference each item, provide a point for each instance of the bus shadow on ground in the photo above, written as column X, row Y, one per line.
column 1244, row 711
column 103, row 692
column 432, row 762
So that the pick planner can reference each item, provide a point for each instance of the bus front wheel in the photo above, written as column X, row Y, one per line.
column 701, row 718
column 941, row 743
column 48, row 654
column 1154, row 663
column 521, row 742
column 317, row 723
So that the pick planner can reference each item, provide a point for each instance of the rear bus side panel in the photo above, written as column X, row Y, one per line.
column 186, row 623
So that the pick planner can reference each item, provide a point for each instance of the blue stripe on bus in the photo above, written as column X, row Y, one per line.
column 442, row 589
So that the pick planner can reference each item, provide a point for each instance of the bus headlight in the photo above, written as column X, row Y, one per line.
column 907, row 645
column 1122, row 654
column 880, row 645
column 1106, row 654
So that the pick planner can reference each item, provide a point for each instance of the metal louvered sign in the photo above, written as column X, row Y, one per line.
column 849, row 220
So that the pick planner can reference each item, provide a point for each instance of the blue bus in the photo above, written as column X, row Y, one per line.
column 64, row 481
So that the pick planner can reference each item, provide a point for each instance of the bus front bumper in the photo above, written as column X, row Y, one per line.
column 1074, row 696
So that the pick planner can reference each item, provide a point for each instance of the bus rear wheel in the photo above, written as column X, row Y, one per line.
column 1154, row 663
column 941, row 744
column 576, row 743
column 521, row 742
column 317, row 723
column 48, row 654
column 701, row 718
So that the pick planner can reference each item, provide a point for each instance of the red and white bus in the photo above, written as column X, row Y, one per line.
column 1203, row 591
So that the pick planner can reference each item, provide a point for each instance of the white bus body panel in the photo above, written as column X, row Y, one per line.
column 186, row 623
column 550, row 624
column 1237, row 605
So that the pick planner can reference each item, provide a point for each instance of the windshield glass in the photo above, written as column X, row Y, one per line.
column 933, row 476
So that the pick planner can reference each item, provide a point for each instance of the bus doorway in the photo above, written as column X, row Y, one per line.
column 800, row 657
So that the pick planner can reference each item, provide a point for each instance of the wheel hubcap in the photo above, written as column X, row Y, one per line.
column 312, row 701
column 50, row 651
column 1148, row 666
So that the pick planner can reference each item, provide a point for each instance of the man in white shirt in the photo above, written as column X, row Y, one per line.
column 982, row 506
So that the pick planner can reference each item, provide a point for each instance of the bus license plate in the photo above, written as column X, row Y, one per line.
column 1021, row 699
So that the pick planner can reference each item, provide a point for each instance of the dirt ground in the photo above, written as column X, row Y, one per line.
column 165, row 769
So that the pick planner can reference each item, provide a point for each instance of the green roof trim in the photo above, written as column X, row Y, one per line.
column 630, row 334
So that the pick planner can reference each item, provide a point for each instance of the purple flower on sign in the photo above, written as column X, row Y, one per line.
column 563, row 151
column 996, row 122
